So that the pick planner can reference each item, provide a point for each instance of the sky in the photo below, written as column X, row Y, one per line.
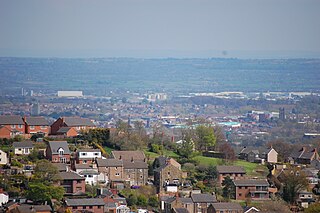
column 160, row 28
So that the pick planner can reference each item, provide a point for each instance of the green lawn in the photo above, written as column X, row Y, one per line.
column 252, row 169
column 167, row 153
column 108, row 150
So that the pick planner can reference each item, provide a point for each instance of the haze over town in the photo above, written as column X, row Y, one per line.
column 171, row 106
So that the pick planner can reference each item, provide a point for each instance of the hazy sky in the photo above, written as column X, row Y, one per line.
column 160, row 28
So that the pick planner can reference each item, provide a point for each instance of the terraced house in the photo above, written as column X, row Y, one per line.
column 11, row 125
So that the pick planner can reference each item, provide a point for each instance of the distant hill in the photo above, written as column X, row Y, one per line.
column 97, row 75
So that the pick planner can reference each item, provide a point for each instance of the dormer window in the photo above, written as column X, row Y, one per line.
column 61, row 151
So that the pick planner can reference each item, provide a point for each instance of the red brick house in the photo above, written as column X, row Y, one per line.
column 11, row 125
column 251, row 188
column 225, row 207
column 76, row 122
column 234, row 172
column 58, row 152
column 34, row 125
column 67, row 132
column 72, row 183
column 89, row 205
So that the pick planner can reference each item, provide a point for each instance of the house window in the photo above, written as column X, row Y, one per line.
column 43, row 127
column 61, row 152
column 240, row 187
column 19, row 149
column 84, row 207
column 79, row 181
column 117, row 174
column 63, row 160
column 240, row 194
column 83, row 154
column 116, row 168
column 84, row 162
column 31, row 127
column 74, row 207
column 90, row 207
column 141, row 176
column 96, row 154
column 79, row 188
column 99, row 207
column 20, row 126
column 13, row 126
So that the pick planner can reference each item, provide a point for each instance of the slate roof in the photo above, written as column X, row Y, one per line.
column 136, row 164
column 82, row 166
column 33, row 208
column 64, row 129
column 230, row 169
column 85, row 202
column 70, row 176
column 88, row 150
column 77, row 121
column 109, row 162
column 262, row 150
column 36, row 121
column 203, row 198
column 227, row 206
column 11, row 119
column 62, row 167
column 56, row 145
column 24, row 144
column 180, row 210
column 303, row 153
column 128, row 155
column 251, row 182
column 185, row 200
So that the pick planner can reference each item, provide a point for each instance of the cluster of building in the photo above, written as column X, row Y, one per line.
column 13, row 125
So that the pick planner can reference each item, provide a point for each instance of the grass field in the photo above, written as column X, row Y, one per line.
column 252, row 169
column 167, row 153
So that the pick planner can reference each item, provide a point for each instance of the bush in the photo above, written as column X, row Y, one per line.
column 142, row 200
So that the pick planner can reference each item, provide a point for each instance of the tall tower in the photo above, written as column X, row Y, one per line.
column 35, row 109
column 282, row 115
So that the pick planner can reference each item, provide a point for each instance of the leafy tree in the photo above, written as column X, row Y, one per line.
column 40, row 193
column 277, row 205
column 186, row 148
column 132, row 200
column 228, row 151
column 293, row 182
column 153, row 201
column 142, row 200
column 211, row 172
column 45, row 171
column 205, row 137
column 228, row 190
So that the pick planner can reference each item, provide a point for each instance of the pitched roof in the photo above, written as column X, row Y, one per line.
column 88, row 150
column 77, row 121
column 85, row 202
column 36, row 121
column 11, row 119
column 303, row 153
column 24, row 144
column 56, row 145
column 227, row 206
column 185, row 200
column 230, row 169
column 64, row 129
column 180, row 210
column 136, row 164
column 70, row 176
column 62, row 167
column 128, row 155
column 251, row 182
column 33, row 208
column 203, row 198
column 109, row 162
